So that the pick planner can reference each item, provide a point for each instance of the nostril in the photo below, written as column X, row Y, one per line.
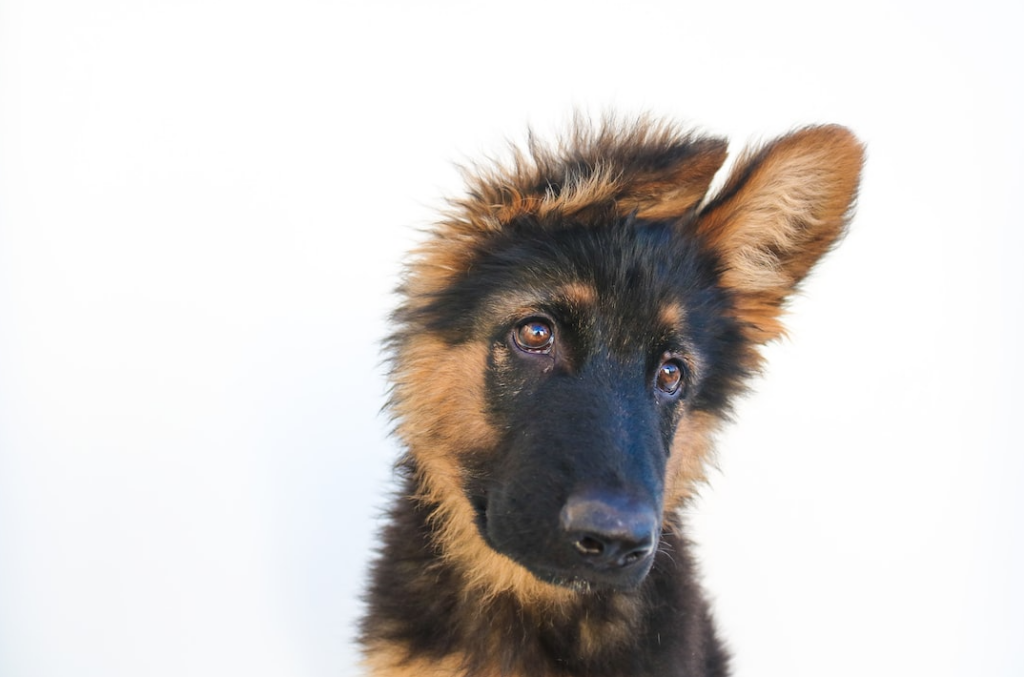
column 589, row 546
column 634, row 556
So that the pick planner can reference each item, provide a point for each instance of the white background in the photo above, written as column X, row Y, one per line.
column 203, row 208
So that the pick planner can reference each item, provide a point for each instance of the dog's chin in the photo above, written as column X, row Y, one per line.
column 573, row 583
column 591, row 582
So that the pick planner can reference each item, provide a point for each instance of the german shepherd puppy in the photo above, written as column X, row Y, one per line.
column 568, row 341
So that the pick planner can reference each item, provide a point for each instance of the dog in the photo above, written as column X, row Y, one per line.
column 569, row 338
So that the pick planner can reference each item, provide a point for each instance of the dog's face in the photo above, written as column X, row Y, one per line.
column 565, row 354
column 599, row 339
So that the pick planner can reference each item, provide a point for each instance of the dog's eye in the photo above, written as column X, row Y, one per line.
column 534, row 336
column 669, row 379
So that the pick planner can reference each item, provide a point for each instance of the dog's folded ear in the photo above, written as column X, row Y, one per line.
column 669, row 182
column 648, row 170
column 782, row 208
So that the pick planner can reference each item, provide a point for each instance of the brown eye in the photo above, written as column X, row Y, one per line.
column 534, row 336
column 670, row 376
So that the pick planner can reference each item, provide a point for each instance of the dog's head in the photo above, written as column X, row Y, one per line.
column 572, row 334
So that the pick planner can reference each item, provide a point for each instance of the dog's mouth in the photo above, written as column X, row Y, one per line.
column 586, row 579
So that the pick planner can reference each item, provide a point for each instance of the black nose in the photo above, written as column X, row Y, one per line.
column 609, row 531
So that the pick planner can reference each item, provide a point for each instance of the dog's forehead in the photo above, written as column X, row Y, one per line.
column 622, row 319
column 625, row 278
column 628, row 282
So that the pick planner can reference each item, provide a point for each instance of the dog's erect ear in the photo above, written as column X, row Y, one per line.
column 782, row 208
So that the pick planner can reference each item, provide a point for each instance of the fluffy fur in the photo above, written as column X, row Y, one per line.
column 569, row 339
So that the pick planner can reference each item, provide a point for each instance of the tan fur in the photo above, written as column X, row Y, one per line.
column 441, row 384
column 691, row 448
column 387, row 661
column 578, row 295
column 672, row 315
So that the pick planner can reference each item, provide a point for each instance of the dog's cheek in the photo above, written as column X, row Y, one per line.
column 440, row 403
column 486, row 456
column 509, row 380
column 691, row 448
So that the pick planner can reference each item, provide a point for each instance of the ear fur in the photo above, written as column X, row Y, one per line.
column 783, row 207
column 670, row 184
